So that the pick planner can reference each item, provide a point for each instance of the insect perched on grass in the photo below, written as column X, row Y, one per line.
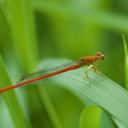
column 40, row 75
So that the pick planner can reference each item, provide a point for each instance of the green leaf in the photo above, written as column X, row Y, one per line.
column 11, row 100
column 126, row 60
column 94, row 117
column 21, row 21
column 102, row 19
column 90, row 117
column 49, row 108
column 101, row 90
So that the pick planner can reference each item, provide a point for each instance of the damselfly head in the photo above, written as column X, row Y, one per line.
column 100, row 56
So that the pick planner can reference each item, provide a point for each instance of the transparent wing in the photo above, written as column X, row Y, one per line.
column 46, row 71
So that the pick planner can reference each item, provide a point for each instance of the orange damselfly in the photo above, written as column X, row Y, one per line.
column 87, row 60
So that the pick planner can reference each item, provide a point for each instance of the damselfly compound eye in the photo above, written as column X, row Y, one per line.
column 100, row 55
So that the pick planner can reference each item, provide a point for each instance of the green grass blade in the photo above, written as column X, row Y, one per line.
column 22, row 26
column 101, row 90
column 21, row 20
column 10, row 98
column 126, row 60
column 102, row 19
column 95, row 117
column 49, row 108
column 88, row 120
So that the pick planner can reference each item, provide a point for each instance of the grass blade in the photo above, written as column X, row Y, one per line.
column 95, row 117
column 126, row 60
column 10, row 98
column 21, row 20
column 49, row 108
column 102, row 19
column 101, row 90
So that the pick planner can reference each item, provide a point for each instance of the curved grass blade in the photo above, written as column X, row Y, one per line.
column 126, row 60
column 103, row 19
column 21, row 20
column 94, row 117
column 101, row 90
column 10, row 98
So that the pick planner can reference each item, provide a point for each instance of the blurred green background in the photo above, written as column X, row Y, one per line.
column 35, row 30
